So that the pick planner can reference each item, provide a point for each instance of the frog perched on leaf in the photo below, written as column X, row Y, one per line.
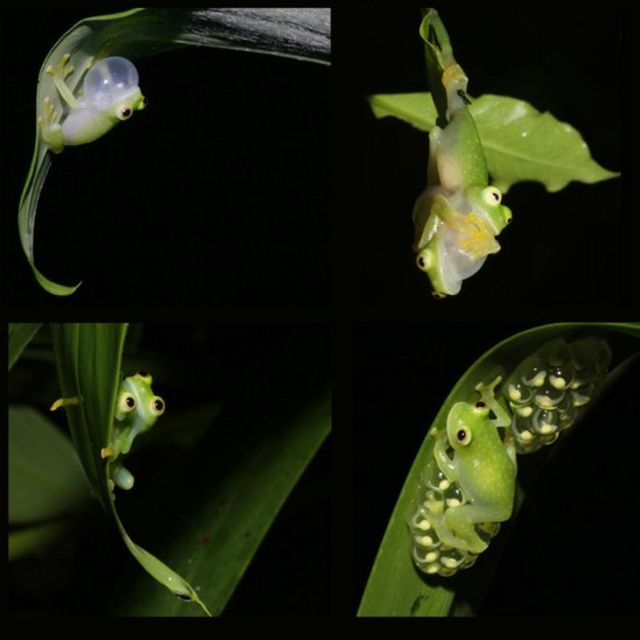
column 468, row 485
column 110, row 94
column 137, row 410
column 458, row 215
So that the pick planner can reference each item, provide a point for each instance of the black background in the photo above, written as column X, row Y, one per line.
column 574, row 247
column 215, row 194
column 396, row 352
column 568, row 538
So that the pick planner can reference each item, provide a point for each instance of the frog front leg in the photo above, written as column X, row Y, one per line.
column 121, row 444
column 52, row 133
column 502, row 418
column 50, row 130
column 457, row 247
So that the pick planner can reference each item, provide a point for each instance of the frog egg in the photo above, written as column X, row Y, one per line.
column 109, row 80
column 518, row 393
column 561, row 377
column 548, row 397
column 545, row 422
column 555, row 353
column 582, row 396
column 534, row 376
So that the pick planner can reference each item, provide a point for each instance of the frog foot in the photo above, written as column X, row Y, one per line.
column 48, row 113
column 476, row 238
column 487, row 391
column 59, row 72
column 61, row 69
column 64, row 402
column 453, row 74
column 106, row 452
column 455, row 83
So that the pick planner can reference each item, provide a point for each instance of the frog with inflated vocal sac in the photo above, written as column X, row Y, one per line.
column 110, row 94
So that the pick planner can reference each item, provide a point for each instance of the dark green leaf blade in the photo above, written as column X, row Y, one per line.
column 520, row 143
column 300, row 33
column 20, row 335
column 45, row 476
column 235, row 508
column 395, row 587
column 88, row 357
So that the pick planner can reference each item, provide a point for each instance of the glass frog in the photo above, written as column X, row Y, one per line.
column 468, row 485
column 458, row 215
column 137, row 410
column 110, row 94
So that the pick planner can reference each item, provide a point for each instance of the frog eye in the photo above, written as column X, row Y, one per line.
column 463, row 436
column 157, row 406
column 123, row 112
column 126, row 402
column 491, row 196
column 424, row 260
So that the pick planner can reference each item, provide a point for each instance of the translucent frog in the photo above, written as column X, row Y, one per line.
column 137, row 410
column 110, row 94
column 468, row 485
column 458, row 215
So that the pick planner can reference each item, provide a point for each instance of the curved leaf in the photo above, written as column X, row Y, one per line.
column 45, row 476
column 88, row 357
column 242, row 490
column 20, row 335
column 520, row 143
column 296, row 33
column 395, row 587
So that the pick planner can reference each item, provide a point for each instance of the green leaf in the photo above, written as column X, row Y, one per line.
column 438, row 55
column 26, row 541
column 45, row 476
column 20, row 335
column 240, row 492
column 88, row 358
column 416, row 109
column 302, row 34
column 523, row 144
column 395, row 587
column 519, row 142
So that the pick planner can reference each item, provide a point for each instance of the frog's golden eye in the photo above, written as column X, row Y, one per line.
column 463, row 436
column 491, row 196
column 126, row 402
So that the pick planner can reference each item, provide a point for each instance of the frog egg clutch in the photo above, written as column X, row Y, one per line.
column 438, row 495
column 548, row 389
column 464, row 494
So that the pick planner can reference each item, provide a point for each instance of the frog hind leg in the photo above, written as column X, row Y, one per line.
column 461, row 522
column 122, row 477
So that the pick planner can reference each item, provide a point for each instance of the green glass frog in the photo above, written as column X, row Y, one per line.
column 458, row 215
column 137, row 410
